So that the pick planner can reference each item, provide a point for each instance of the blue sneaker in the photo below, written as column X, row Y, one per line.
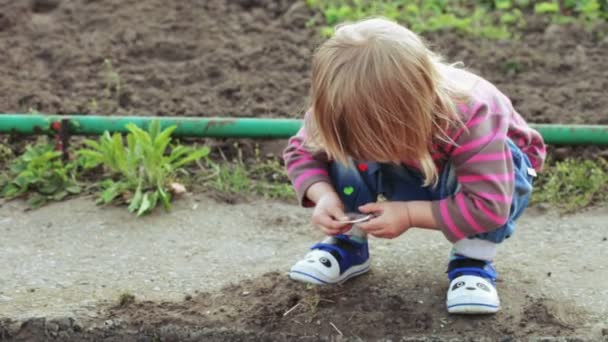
column 332, row 261
column 472, row 287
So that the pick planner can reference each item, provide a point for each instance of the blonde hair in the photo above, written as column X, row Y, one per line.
column 378, row 94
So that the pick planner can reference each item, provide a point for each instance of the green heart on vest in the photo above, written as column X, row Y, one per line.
column 348, row 190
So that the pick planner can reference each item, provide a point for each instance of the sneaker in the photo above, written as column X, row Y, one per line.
column 472, row 287
column 332, row 261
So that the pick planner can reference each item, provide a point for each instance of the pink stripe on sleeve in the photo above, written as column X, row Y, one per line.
column 486, row 177
column 476, row 143
column 495, row 197
column 466, row 214
column 300, row 161
column 307, row 174
column 487, row 157
column 475, row 121
column 443, row 205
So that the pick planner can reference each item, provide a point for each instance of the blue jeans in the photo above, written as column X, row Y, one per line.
column 400, row 183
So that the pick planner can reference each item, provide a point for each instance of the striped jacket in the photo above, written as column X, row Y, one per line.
column 481, row 158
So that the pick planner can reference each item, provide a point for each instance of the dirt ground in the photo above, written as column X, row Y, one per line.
column 251, row 58
column 207, row 271
column 214, row 272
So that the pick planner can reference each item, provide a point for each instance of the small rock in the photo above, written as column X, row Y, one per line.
column 605, row 238
column 13, row 328
column 605, row 332
column 129, row 35
column 177, row 189
column 44, row 6
column 562, row 153
column 548, row 274
column 544, row 206
column 188, row 297
column 52, row 327
column 76, row 326
column 35, row 324
column 156, row 288
column 64, row 323
column 420, row 302
column 245, row 293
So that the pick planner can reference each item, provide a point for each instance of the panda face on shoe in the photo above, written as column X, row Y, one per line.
column 471, row 286
column 322, row 260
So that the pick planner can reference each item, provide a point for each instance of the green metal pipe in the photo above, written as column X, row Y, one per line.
column 186, row 127
column 243, row 127
column 555, row 134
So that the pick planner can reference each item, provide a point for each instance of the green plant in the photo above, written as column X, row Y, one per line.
column 41, row 173
column 496, row 19
column 141, row 170
column 260, row 176
column 125, row 299
column 6, row 154
column 111, row 78
column 573, row 184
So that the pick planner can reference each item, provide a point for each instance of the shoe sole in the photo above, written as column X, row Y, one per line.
column 310, row 277
column 473, row 309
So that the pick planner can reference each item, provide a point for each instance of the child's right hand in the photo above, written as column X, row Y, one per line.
column 328, row 213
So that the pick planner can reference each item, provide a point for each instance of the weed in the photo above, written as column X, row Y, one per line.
column 42, row 173
column 142, row 170
column 311, row 299
column 496, row 19
column 573, row 184
column 6, row 154
column 111, row 79
column 126, row 299
column 261, row 176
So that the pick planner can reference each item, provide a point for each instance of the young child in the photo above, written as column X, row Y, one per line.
column 395, row 132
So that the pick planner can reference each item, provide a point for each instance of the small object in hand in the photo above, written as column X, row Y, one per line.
column 349, row 190
column 357, row 218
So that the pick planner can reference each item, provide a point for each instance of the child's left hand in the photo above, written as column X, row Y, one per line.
column 393, row 219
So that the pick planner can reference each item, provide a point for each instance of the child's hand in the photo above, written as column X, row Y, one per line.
column 393, row 219
column 328, row 213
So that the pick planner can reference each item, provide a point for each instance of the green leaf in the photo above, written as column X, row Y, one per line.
column 165, row 198
column 192, row 156
column 136, row 200
column 154, row 199
column 73, row 189
column 11, row 191
column 109, row 194
column 546, row 7
column 60, row 195
column 154, row 129
column 162, row 140
column 145, row 205
column 36, row 200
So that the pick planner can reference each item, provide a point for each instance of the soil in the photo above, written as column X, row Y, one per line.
column 250, row 58
column 206, row 271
